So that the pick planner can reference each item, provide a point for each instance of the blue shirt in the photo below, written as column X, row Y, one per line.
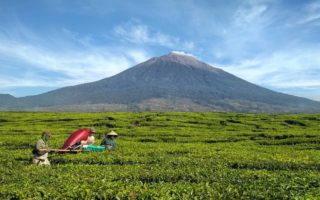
column 108, row 142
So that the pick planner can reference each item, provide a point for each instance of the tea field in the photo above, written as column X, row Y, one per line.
column 165, row 156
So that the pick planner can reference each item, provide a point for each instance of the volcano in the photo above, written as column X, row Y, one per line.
column 173, row 82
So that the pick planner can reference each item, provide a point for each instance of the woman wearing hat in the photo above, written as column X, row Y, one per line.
column 109, row 140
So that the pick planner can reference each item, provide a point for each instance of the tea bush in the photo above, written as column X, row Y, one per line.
column 165, row 156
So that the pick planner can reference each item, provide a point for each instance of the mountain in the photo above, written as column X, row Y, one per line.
column 6, row 100
column 173, row 82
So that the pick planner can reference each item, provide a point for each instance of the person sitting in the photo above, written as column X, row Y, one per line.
column 41, row 149
column 89, row 141
column 84, row 143
column 109, row 141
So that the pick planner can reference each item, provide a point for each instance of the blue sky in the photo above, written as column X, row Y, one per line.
column 47, row 44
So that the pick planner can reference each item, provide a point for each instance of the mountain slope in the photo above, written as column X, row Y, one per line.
column 7, row 100
column 172, row 80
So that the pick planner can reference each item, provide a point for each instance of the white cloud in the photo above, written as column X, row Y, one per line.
column 183, row 53
column 310, row 18
column 310, row 13
column 316, row 98
column 7, row 82
column 76, row 62
column 138, row 56
column 142, row 34
column 245, row 32
column 291, row 69
column 248, row 14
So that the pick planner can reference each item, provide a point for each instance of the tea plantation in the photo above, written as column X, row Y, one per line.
column 165, row 156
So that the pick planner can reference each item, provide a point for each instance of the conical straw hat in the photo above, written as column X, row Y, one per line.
column 112, row 133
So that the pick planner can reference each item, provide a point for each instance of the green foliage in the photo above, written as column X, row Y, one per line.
column 165, row 156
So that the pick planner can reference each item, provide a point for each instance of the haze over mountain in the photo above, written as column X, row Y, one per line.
column 173, row 82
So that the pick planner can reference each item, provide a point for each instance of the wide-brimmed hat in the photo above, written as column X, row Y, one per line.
column 112, row 133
